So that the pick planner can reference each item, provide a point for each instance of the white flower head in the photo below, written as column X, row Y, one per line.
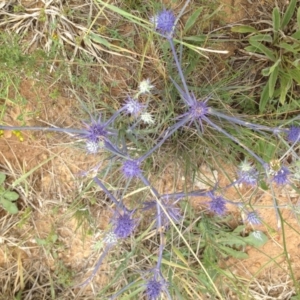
column 145, row 86
column 110, row 238
column 147, row 118
column 245, row 166
column 92, row 147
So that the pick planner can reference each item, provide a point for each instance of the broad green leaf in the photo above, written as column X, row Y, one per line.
column 243, row 29
column 296, row 35
column 256, row 239
column 272, row 81
column 261, row 38
column 239, row 229
column 264, row 98
column 275, row 65
column 234, row 253
column 288, row 47
column 295, row 74
column 285, row 84
column 2, row 178
column 192, row 19
column 266, row 71
column 9, row 206
column 298, row 18
column 259, row 47
column 276, row 18
column 288, row 14
column 11, row 196
column 232, row 241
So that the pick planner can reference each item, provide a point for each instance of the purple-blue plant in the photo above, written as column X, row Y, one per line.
column 253, row 218
column 293, row 134
column 217, row 204
column 131, row 168
column 281, row 177
column 164, row 22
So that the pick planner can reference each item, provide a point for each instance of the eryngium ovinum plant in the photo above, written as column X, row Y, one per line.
column 99, row 134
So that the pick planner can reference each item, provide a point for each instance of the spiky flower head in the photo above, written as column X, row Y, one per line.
column 164, row 22
column 133, row 107
column 124, row 224
column 217, row 204
column 198, row 110
column 153, row 289
column 247, row 173
column 147, row 118
column 253, row 218
column 92, row 147
column 110, row 239
column 131, row 168
column 281, row 176
column 293, row 134
column 145, row 86
column 95, row 131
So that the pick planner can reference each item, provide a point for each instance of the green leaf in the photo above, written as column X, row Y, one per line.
column 285, row 84
column 196, row 38
column 267, row 71
column 288, row 14
column 192, row 19
column 272, row 81
column 296, row 35
column 295, row 74
column 261, row 38
column 100, row 40
column 11, row 196
column 41, row 242
column 298, row 18
column 276, row 18
column 264, row 98
column 243, row 29
column 9, row 206
column 263, row 185
column 259, row 47
column 231, row 240
column 2, row 178
column 234, row 253
column 180, row 255
column 256, row 239
column 288, row 47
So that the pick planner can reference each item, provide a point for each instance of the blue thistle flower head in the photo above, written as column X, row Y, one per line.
column 247, row 174
column 164, row 22
column 198, row 110
column 131, row 168
column 281, row 176
column 155, row 286
column 95, row 131
column 293, row 134
column 153, row 289
column 253, row 218
column 124, row 224
column 133, row 107
column 217, row 204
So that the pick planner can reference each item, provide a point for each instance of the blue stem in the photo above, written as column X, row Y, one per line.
column 216, row 127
